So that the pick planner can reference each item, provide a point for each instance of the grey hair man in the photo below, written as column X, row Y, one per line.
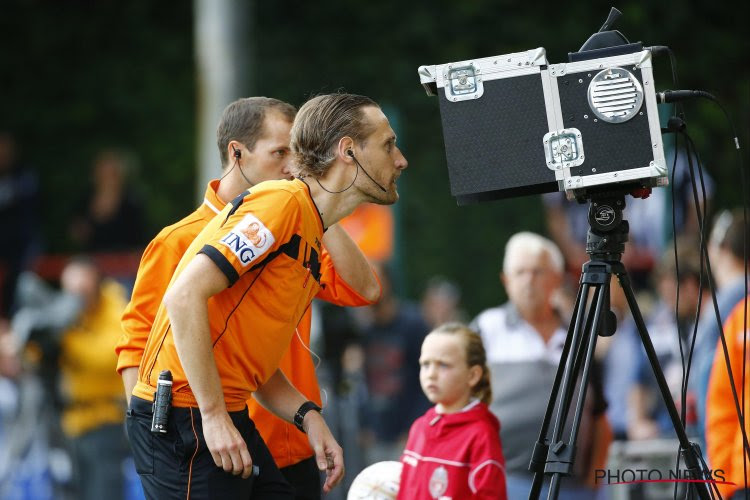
column 523, row 339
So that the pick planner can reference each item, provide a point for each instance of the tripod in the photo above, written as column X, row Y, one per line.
column 605, row 244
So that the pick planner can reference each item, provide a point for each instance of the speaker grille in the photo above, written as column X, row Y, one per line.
column 615, row 95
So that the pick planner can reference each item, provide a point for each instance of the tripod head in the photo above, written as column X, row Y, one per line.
column 608, row 231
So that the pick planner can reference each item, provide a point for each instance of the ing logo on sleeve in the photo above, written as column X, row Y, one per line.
column 253, row 234
column 248, row 239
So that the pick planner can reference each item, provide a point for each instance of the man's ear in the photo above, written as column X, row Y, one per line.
column 234, row 151
column 345, row 145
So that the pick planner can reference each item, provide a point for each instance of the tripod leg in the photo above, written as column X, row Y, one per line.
column 691, row 459
column 561, row 455
column 541, row 446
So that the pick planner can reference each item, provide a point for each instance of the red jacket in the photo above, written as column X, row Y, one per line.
column 454, row 457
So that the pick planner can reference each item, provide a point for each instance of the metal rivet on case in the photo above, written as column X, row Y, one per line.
column 586, row 117
column 593, row 170
column 580, row 80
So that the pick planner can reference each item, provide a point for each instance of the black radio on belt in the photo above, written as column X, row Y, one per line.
column 162, row 403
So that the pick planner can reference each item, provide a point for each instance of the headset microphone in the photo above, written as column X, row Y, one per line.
column 351, row 153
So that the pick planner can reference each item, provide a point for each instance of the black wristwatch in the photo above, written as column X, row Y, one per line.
column 299, row 417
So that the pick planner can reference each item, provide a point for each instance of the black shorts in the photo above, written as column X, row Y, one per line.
column 305, row 478
column 177, row 464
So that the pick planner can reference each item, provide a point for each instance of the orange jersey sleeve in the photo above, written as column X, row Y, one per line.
column 724, row 441
column 334, row 289
column 252, row 232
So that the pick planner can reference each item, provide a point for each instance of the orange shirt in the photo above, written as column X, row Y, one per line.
column 372, row 228
column 287, row 444
column 723, row 434
column 267, row 244
column 157, row 265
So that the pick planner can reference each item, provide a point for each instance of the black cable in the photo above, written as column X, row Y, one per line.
column 242, row 173
column 740, row 414
column 338, row 192
column 701, row 217
column 675, row 96
column 678, row 110
column 740, row 408
column 744, row 188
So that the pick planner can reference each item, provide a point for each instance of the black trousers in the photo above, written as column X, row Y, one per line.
column 178, row 465
column 305, row 478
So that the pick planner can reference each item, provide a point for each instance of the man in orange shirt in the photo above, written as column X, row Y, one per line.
column 231, row 310
column 724, row 439
column 253, row 140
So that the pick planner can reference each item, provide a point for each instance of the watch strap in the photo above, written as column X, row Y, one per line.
column 299, row 417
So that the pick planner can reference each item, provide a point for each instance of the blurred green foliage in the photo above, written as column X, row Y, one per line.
column 78, row 76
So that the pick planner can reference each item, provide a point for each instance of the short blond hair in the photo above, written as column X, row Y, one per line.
column 528, row 243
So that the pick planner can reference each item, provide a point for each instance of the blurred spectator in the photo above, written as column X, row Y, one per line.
column 110, row 216
column 726, row 248
column 18, row 203
column 10, row 365
column 524, row 339
column 93, row 402
column 671, row 331
column 620, row 355
column 650, row 222
column 67, row 338
column 32, row 447
column 391, row 353
column 724, row 440
column 371, row 228
column 440, row 302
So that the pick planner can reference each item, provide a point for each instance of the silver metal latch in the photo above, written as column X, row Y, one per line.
column 463, row 83
column 563, row 148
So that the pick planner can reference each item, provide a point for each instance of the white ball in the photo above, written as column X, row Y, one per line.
column 379, row 481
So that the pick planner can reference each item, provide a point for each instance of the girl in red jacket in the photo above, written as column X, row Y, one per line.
column 454, row 451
